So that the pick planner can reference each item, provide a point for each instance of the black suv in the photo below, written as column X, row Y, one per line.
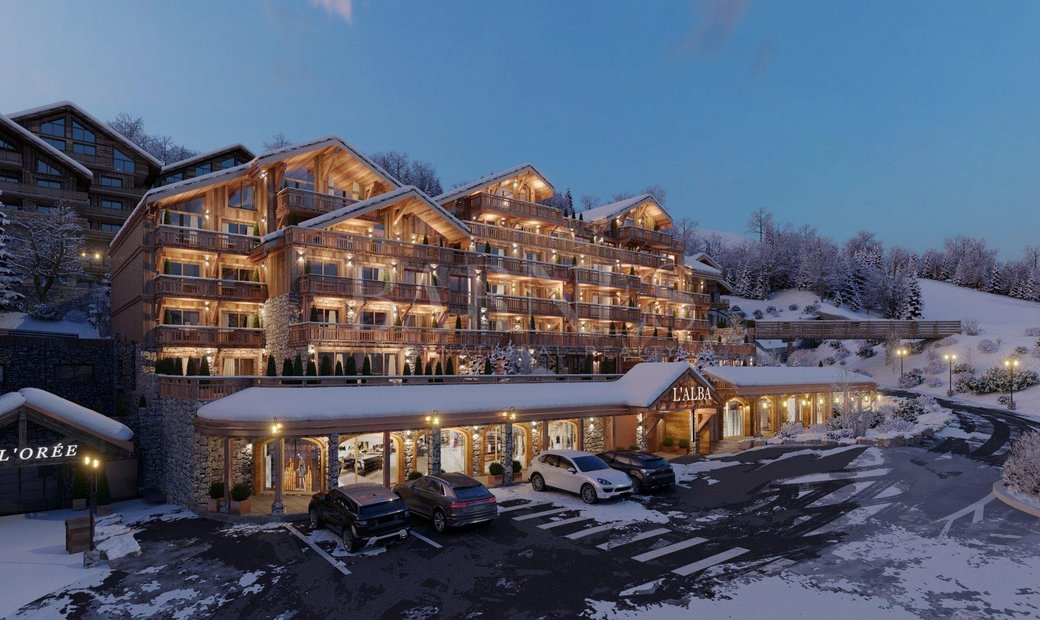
column 449, row 500
column 362, row 513
column 647, row 471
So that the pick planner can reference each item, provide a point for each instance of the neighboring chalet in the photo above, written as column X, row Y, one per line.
column 205, row 163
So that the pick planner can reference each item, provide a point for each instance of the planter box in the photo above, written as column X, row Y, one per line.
column 494, row 479
column 243, row 507
column 213, row 505
column 105, row 510
column 79, row 504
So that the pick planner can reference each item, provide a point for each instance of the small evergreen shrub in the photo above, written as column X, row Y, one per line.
column 911, row 378
column 216, row 490
column 1022, row 467
column 517, row 467
column 758, row 315
column 241, row 492
column 996, row 379
column 788, row 430
column 963, row 368
column 496, row 469
column 971, row 327
column 989, row 346
column 1020, row 350
column 866, row 351
column 792, row 307
column 668, row 442
column 684, row 444
column 45, row 312
column 414, row 475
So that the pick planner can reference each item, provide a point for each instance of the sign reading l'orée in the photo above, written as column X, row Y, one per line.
column 38, row 455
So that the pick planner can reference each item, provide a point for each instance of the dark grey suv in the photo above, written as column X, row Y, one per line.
column 449, row 500
column 647, row 471
column 362, row 513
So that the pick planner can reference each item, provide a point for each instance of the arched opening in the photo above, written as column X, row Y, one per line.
column 563, row 435
column 791, row 409
column 765, row 419
column 361, row 459
column 454, row 451
column 301, row 469
column 733, row 419
column 493, row 446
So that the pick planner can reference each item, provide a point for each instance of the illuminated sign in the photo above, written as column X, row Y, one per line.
column 39, row 455
column 697, row 394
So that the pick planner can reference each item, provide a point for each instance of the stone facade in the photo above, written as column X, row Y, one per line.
column 278, row 313
column 595, row 439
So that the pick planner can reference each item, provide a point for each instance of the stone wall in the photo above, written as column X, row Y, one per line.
column 595, row 438
column 278, row 313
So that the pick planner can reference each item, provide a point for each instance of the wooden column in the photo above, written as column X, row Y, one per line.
column 581, row 434
column 226, row 506
column 386, row 459
column 277, row 508
column 544, row 432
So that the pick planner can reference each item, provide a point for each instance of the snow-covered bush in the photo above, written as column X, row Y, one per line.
column 839, row 434
column 835, row 344
column 772, row 311
column 894, row 425
column 989, row 346
column 866, row 351
column 996, row 379
column 734, row 308
column 948, row 341
column 76, row 316
column 829, row 361
column 1022, row 467
column 911, row 378
column 792, row 307
column 788, row 430
column 45, row 312
column 971, row 327
column 811, row 309
column 855, row 423
column 757, row 314
column 963, row 368
column 935, row 382
column 910, row 409
column 1033, row 331
column 801, row 357
column 935, row 367
column 817, row 429
column 916, row 347
column 1020, row 350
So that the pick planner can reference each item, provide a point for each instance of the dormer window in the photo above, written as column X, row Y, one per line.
column 54, row 127
column 123, row 162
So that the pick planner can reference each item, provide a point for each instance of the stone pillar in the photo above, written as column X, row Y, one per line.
column 641, row 430
column 333, row 465
column 277, row 508
column 581, row 434
column 544, row 434
column 435, row 450
column 386, row 459
column 507, row 473
column 228, row 479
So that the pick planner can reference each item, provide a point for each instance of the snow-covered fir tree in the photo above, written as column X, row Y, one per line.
column 47, row 250
column 994, row 283
column 707, row 357
column 8, row 295
column 914, row 306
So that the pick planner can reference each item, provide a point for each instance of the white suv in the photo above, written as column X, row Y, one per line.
column 583, row 473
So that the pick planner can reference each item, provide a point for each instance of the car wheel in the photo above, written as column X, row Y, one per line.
column 440, row 522
column 537, row 482
column 588, row 494
column 316, row 522
column 637, row 486
column 350, row 540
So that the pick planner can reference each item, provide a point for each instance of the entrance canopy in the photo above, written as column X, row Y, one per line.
column 55, row 412
column 303, row 410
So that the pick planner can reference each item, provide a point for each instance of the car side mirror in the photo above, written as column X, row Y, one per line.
column 572, row 470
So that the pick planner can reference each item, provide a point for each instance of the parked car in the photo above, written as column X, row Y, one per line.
column 449, row 500
column 362, row 513
column 583, row 473
column 647, row 471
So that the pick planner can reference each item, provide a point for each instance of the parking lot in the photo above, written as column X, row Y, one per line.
column 789, row 512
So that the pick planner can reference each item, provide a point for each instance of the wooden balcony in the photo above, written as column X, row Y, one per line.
column 304, row 204
column 606, row 313
column 518, row 267
column 568, row 247
column 520, row 209
column 650, row 238
column 677, row 296
column 11, row 157
column 416, row 253
column 535, row 306
column 608, row 279
column 207, row 240
column 666, row 321
column 204, row 288
column 207, row 336
column 330, row 286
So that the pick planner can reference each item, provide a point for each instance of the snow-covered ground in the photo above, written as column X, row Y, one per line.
column 1002, row 320
column 620, row 511
column 34, row 561
column 19, row 321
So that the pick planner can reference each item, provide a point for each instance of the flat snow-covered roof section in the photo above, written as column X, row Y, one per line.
column 640, row 387
column 766, row 376
column 67, row 411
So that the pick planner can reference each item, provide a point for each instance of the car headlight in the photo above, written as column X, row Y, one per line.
column 361, row 523
column 602, row 481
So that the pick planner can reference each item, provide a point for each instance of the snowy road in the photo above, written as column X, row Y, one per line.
column 905, row 532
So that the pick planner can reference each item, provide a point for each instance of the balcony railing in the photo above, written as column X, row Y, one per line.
column 200, row 239
column 518, row 266
column 676, row 295
column 202, row 288
column 666, row 321
column 419, row 253
column 308, row 204
column 569, row 247
column 207, row 336
column 521, row 209
column 606, row 278
column 606, row 313
column 331, row 286
column 652, row 238
column 527, row 305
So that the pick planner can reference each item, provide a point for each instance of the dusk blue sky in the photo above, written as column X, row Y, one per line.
column 916, row 120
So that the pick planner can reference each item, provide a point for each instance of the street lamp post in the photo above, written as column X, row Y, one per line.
column 950, row 358
column 902, row 353
column 94, row 465
column 1011, row 365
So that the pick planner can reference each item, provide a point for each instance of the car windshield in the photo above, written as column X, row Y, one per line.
column 648, row 459
column 381, row 509
column 590, row 463
column 473, row 492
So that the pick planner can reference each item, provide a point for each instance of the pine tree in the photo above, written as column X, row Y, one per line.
column 488, row 370
column 407, row 370
column 913, row 302
column 458, row 322
column 439, row 371
column 450, row 367
column 338, row 371
column 429, row 368
column 351, row 367
column 297, row 366
column 287, row 370
column 325, row 367
column 272, row 371
column 312, row 370
column 995, row 283
column 204, row 367
column 193, row 367
column 366, row 367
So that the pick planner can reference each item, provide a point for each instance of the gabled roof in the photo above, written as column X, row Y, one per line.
column 703, row 263
column 359, row 209
column 70, row 414
column 102, row 125
column 613, row 209
column 209, row 155
column 491, row 179
column 41, row 144
column 320, row 143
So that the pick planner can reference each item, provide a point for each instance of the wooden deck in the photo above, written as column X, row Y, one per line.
column 880, row 329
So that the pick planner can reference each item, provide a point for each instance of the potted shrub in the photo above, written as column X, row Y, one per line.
column 684, row 445
column 216, row 495
column 414, row 475
column 517, row 468
column 495, row 471
column 240, row 504
column 80, row 489
column 667, row 443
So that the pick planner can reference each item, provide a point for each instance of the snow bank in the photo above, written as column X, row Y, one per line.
column 19, row 321
column 76, row 414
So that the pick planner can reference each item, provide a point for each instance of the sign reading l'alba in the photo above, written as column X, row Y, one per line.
column 681, row 394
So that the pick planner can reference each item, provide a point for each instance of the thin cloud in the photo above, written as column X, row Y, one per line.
column 343, row 9
column 763, row 59
column 716, row 20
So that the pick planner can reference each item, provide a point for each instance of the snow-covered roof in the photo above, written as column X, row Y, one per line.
column 767, row 376
column 703, row 263
column 68, row 412
column 491, row 179
column 639, row 387
column 50, row 150
column 613, row 209
column 366, row 206
column 102, row 125
column 208, row 155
